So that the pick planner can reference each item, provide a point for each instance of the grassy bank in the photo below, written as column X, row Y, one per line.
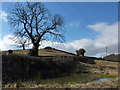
column 72, row 79
column 105, row 67
column 107, row 84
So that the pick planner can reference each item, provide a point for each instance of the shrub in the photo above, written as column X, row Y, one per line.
column 80, row 52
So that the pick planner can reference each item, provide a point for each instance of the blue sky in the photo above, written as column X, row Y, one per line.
column 83, row 21
column 84, row 14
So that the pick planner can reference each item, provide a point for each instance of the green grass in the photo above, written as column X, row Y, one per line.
column 107, row 75
column 72, row 83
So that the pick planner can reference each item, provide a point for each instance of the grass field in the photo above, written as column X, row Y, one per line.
column 41, row 52
column 102, row 69
column 105, row 67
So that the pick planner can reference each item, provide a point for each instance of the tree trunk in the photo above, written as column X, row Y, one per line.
column 34, row 50
column 23, row 45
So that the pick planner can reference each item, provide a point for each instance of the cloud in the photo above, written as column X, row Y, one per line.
column 98, row 27
column 75, row 23
column 108, row 36
column 108, row 33
column 3, row 16
column 8, row 43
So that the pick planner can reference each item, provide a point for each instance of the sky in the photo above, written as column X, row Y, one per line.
column 88, row 25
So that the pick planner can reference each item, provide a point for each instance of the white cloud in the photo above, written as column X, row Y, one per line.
column 108, row 36
column 108, row 33
column 3, row 16
column 98, row 27
column 8, row 43
column 75, row 23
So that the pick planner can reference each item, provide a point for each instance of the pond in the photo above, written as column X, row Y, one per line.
column 76, row 78
column 103, row 79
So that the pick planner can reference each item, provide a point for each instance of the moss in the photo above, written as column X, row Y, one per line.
column 108, row 75
column 72, row 83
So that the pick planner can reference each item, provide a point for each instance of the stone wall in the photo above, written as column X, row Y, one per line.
column 66, row 58
column 20, row 67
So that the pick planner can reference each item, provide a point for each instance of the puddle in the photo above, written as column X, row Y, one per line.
column 103, row 79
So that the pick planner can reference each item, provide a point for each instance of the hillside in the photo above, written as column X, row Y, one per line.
column 31, row 72
column 21, row 70
column 48, row 51
column 43, row 52
column 112, row 57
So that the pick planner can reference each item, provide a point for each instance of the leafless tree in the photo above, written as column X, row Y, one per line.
column 21, row 42
column 33, row 20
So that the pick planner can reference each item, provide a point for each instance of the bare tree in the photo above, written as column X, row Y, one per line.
column 21, row 42
column 33, row 20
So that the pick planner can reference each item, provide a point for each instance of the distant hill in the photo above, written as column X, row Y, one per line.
column 112, row 57
column 50, row 48
column 44, row 52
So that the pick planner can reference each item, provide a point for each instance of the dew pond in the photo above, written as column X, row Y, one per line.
column 103, row 79
column 76, row 78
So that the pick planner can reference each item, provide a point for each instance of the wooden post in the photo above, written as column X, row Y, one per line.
column 106, row 52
